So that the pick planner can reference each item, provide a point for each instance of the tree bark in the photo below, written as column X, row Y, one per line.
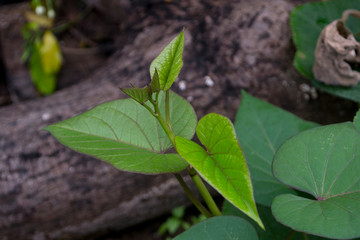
column 50, row 192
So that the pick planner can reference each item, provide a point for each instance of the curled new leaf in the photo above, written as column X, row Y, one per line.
column 141, row 95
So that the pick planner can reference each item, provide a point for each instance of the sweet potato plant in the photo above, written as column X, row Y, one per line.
column 281, row 177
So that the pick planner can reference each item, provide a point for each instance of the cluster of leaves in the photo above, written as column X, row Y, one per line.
column 134, row 136
column 308, row 183
column 307, row 22
column 304, row 177
column 41, row 47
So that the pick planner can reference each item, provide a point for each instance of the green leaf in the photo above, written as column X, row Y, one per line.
column 274, row 230
column 141, row 95
column 51, row 58
column 307, row 22
column 261, row 129
column 44, row 82
column 221, row 227
column 351, row 93
column 222, row 164
column 173, row 224
column 155, row 83
column 357, row 120
column 324, row 162
column 169, row 62
column 178, row 212
column 126, row 135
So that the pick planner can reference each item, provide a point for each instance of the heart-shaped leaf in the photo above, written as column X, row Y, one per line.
column 274, row 230
column 221, row 227
column 261, row 129
column 126, row 135
column 307, row 22
column 222, row 164
column 324, row 162
column 169, row 62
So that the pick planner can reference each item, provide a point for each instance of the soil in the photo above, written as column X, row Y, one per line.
column 90, row 42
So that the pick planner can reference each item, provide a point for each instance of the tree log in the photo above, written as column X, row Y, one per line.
column 50, row 192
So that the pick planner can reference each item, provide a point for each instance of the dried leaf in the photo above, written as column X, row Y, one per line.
column 336, row 49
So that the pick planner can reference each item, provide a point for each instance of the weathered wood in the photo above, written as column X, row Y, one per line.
column 50, row 192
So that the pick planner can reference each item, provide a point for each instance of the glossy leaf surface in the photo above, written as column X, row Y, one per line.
column 307, row 22
column 261, row 129
column 222, row 164
column 222, row 227
column 126, row 135
column 324, row 162
column 169, row 62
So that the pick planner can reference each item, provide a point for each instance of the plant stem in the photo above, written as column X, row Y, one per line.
column 171, row 136
column 204, row 192
column 191, row 196
column 169, row 132
column 306, row 237
column 194, row 176
column 167, row 108
column 149, row 109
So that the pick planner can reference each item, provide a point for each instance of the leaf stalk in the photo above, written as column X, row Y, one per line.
column 166, row 125
column 191, row 196
column 167, row 108
column 204, row 192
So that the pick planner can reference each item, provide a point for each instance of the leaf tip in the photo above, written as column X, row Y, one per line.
column 261, row 224
column 45, row 128
column 244, row 93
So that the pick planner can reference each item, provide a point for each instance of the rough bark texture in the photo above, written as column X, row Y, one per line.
column 50, row 192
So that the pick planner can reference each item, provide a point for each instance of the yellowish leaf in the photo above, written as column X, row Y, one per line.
column 51, row 58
